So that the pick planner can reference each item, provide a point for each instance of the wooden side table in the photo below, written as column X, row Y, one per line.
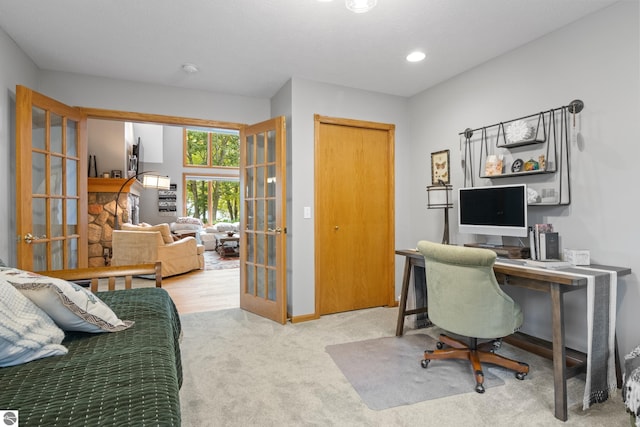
column 225, row 249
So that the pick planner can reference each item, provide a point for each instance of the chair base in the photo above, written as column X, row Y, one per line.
column 476, row 354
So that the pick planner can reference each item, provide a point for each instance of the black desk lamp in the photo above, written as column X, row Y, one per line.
column 150, row 180
column 439, row 197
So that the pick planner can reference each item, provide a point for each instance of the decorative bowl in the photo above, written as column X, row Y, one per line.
column 230, row 233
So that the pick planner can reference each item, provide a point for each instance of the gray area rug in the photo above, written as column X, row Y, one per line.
column 386, row 372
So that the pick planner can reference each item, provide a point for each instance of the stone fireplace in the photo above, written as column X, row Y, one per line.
column 102, row 207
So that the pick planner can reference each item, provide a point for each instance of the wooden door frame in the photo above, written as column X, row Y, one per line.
column 160, row 119
column 128, row 116
column 390, row 129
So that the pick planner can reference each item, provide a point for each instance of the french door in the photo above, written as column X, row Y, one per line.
column 263, row 219
column 51, row 197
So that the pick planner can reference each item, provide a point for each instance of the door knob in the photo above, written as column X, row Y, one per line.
column 336, row 227
column 28, row 238
column 276, row 230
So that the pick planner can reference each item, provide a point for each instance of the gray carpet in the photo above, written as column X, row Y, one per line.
column 242, row 370
column 386, row 372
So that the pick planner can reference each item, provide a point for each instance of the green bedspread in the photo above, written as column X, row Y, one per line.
column 126, row 378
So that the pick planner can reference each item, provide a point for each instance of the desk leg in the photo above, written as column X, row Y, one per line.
column 403, row 297
column 420, row 290
column 559, row 353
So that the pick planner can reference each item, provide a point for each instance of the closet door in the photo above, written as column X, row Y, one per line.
column 354, row 205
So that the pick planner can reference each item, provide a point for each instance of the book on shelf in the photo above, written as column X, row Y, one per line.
column 549, row 248
column 538, row 251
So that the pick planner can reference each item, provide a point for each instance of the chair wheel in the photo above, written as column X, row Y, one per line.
column 479, row 388
column 424, row 363
column 520, row 375
column 439, row 345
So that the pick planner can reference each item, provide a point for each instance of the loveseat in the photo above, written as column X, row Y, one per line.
column 128, row 376
column 139, row 244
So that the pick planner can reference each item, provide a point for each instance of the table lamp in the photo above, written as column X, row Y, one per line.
column 440, row 197
column 149, row 180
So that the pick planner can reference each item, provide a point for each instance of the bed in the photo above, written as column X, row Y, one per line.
column 127, row 378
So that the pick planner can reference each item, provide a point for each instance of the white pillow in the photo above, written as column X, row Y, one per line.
column 71, row 306
column 224, row 226
column 185, row 227
column 26, row 332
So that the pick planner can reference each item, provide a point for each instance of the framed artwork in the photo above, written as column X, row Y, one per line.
column 440, row 167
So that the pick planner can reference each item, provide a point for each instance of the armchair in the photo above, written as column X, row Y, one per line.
column 139, row 245
column 465, row 299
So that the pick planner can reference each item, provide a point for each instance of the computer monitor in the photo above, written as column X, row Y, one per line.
column 499, row 210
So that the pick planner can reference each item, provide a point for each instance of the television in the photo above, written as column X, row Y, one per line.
column 499, row 210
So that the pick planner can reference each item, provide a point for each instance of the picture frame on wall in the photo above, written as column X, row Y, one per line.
column 440, row 167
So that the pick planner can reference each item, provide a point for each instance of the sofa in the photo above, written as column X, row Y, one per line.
column 139, row 244
column 129, row 374
column 185, row 225
column 209, row 236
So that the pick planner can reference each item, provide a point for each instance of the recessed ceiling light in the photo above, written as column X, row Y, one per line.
column 189, row 68
column 416, row 56
column 360, row 6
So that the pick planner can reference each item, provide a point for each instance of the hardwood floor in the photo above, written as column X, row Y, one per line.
column 204, row 290
column 200, row 290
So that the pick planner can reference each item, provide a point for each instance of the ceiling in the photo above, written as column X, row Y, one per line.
column 252, row 47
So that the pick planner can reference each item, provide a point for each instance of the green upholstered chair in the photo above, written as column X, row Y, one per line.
column 464, row 298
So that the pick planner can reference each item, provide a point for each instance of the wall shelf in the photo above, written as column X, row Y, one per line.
column 539, row 141
column 512, row 174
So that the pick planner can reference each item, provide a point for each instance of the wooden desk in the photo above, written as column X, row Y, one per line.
column 566, row 362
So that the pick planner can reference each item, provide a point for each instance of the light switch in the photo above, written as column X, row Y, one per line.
column 307, row 212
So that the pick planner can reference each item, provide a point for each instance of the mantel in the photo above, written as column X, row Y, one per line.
column 112, row 185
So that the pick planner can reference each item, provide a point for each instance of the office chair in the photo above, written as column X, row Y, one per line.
column 464, row 298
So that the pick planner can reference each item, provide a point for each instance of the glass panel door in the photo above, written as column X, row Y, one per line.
column 262, row 254
column 52, row 206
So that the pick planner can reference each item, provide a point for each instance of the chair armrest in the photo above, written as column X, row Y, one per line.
column 135, row 247
column 110, row 273
column 187, row 246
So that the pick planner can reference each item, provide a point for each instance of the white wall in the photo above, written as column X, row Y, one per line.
column 596, row 60
column 281, row 105
column 97, row 92
column 309, row 98
column 16, row 69
column 106, row 141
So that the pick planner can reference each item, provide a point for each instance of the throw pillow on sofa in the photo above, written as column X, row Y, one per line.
column 72, row 307
column 26, row 332
column 164, row 230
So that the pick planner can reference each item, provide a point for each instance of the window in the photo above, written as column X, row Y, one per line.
column 212, row 199
column 212, row 196
column 211, row 147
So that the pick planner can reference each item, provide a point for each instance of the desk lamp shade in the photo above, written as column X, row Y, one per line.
column 440, row 197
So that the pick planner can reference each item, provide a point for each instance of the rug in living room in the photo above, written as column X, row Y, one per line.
column 386, row 372
column 213, row 261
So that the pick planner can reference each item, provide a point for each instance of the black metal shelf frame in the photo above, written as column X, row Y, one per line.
column 551, row 137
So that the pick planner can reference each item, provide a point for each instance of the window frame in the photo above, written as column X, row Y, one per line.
column 210, row 133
